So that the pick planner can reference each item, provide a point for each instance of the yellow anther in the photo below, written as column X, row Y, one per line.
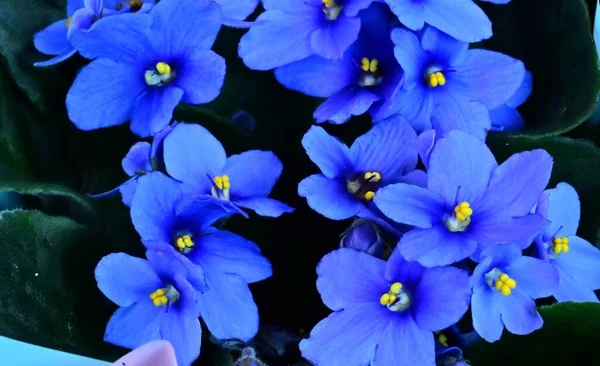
column 163, row 68
column 505, row 284
column 329, row 4
column 440, row 78
column 463, row 211
column 219, row 182
column 436, row 78
column 384, row 299
column 69, row 22
column 510, row 283
column 504, row 277
column 159, row 298
column 395, row 288
column 505, row 290
column 187, row 240
column 364, row 64
column 373, row 65
column 560, row 245
column 369, row 195
column 443, row 339
column 498, row 285
column 369, row 65
column 226, row 184
column 392, row 298
column 433, row 81
column 372, row 176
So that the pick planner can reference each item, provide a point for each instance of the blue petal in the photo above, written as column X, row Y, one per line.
column 388, row 148
column 135, row 325
column 153, row 110
column 225, row 252
column 332, row 39
column 228, row 308
column 488, row 77
column 516, row 185
column 446, row 48
column 562, row 209
column 73, row 5
column 436, row 246
column 410, row 56
column 53, row 40
column 81, row 20
column 348, row 278
column 200, row 76
column 523, row 92
column 460, row 160
column 353, row 7
column 411, row 13
column 192, row 155
column 571, row 290
column 409, row 204
column 439, row 304
column 344, row 104
column 185, row 25
column 485, row 308
column 581, row 262
column 184, row 334
column 315, row 76
column 506, row 119
column 176, row 269
column 264, row 206
column 398, row 269
column 137, row 285
column 535, row 278
column 127, row 191
column 502, row 255
column 404, row 342
column 96, row 101
column 106, row 39
column 59, row 58
column 329, row 197
column 347, row 337
column 282, row 38
column 239, row 9
column 328, row 153
column 137, row 159
column 290, row 6
column 153, row 206
column 252, row 173
column 425, row 144
column 455, row 112
column 519, row 313
column 461, row 19
column 200, row 211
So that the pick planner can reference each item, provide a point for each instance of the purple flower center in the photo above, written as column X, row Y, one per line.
column 364, row 185
column 184, row 243
column 396, row 299
column 161, row 75
column 371, row 72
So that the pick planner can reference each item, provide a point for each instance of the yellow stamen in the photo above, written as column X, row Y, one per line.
column 329, row 4
column 384, row 299
column 436, row 79
column 184, row 242
column 163, row 68
column 69, row 22
column 395, row 288
column 369, row 65
column 369, row 195
column 463, row 211
column 219, row 182
column 395, row 299
column 560, row 245
column 180, row 243
column 505, row 284
column 443, row 339
column 372, row 176
column 159, row 297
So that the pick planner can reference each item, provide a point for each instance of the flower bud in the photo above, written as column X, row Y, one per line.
column 363, row 235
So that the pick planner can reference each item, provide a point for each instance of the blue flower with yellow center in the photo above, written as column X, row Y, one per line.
column 363, row 80
column 576, row 260
column 220, row 264
column 470, row 202
column 505, row 284
column 156, row 302
column 198, row 160
column 145, row 64
column 383, row 313
column 290, row 31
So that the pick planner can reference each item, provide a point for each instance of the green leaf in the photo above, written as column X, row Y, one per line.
column 575, row 162
column 49, row 295
column 570, row 336
column 554, row 40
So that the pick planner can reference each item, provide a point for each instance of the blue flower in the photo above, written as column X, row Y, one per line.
column 145, row 64
column 55, row 40
column 505, row 284
column 361, row 81
column 470, row 202
column 196, row 158
column 384, row 314
column 506, row 118
column 449, row 87
column 576, row 260
column 461, row 19
column 363, row 236
column 351, row 177
column 220, row 264
column 237, row 10
column 156, row 302
column 290, row 31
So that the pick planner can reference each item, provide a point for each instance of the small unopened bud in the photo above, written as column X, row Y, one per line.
column 362, row 235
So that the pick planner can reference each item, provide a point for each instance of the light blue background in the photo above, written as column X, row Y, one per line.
column 15, row 353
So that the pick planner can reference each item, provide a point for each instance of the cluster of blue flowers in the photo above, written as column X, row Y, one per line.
column 471, row 233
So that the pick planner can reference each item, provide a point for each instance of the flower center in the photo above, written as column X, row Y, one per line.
column 559, row 246
column 371, row 73
column 364, row 185
column 460, row 219
column 331, row 9
column 160, row 76
column 499, row 281
column 184, row 243
column 164, row 296
column 396, row 299
column 221, row 187
column 134, row 5
column 441, row 337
